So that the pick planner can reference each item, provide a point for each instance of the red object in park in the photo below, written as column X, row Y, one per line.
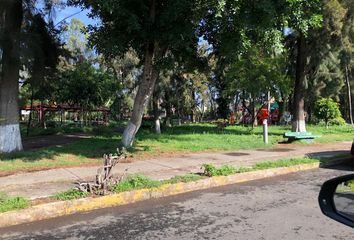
column 263, row 114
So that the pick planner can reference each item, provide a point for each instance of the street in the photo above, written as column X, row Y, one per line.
column 344, row 204
column 283, row 207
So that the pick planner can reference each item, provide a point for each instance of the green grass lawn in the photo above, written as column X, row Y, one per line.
column 179, row 139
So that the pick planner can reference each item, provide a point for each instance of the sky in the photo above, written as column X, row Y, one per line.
column 73, row 12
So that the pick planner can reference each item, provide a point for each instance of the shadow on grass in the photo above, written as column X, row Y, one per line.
column 140, row 148
column 73, row 128
column 89, row 148
column 97, row 146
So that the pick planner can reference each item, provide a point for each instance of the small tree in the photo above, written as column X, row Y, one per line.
column 327, row 109
column 155, row 29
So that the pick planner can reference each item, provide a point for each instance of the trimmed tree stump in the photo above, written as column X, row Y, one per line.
column 104, row 178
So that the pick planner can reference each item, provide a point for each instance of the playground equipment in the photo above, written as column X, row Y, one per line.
column 61, row 109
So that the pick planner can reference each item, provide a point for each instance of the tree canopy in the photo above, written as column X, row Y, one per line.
column 190, row 60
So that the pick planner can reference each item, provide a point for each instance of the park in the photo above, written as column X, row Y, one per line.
column 168, row 92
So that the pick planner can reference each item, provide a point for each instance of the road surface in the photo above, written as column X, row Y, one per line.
column 344, row 203
column 275, row 208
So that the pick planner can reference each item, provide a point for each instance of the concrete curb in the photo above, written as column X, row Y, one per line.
column 62, row 208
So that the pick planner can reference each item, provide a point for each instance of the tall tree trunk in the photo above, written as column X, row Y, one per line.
column 202, row 112
column 168, row 109
column 194, row 107
column 347, row 80
column 299, row 98
column 220, row 85
column 142, row 97
column 283, row 107
column 212, row 102
column 41, row 115
column 146, row 86
column 10, row 136
column 156, row 109
column 254, row 112
column 30, row 114
column 82, row 117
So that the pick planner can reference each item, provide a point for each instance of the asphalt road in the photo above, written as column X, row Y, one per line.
column 344, row 203
column 275, row 208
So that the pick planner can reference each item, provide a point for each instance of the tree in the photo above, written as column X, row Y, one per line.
column 76, row 41
column 326, row 81
column 340, row 25
column 127, row 73
column 328, row 57
column 11, row 15
column 327, row 109
column 40, row 50
column 85, row 86
column 255, row 73
column 22, row 27
column 301, row 17
column 155, row 29
column 232, row 28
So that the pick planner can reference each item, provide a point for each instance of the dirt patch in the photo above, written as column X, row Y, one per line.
column 236, row 154
column 34, row 143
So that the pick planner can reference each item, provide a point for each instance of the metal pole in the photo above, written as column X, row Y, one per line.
column 265, row 131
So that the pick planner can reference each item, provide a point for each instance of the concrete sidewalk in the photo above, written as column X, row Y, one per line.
column 46, row 183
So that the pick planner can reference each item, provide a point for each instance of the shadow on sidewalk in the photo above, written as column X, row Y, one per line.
column 345, row 160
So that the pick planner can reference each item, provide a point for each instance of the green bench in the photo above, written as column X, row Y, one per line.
column 302, row 136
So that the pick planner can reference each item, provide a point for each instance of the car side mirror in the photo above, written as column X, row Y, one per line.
column 336, row 199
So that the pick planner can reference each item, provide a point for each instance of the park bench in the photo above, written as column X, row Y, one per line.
column 302, row 136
